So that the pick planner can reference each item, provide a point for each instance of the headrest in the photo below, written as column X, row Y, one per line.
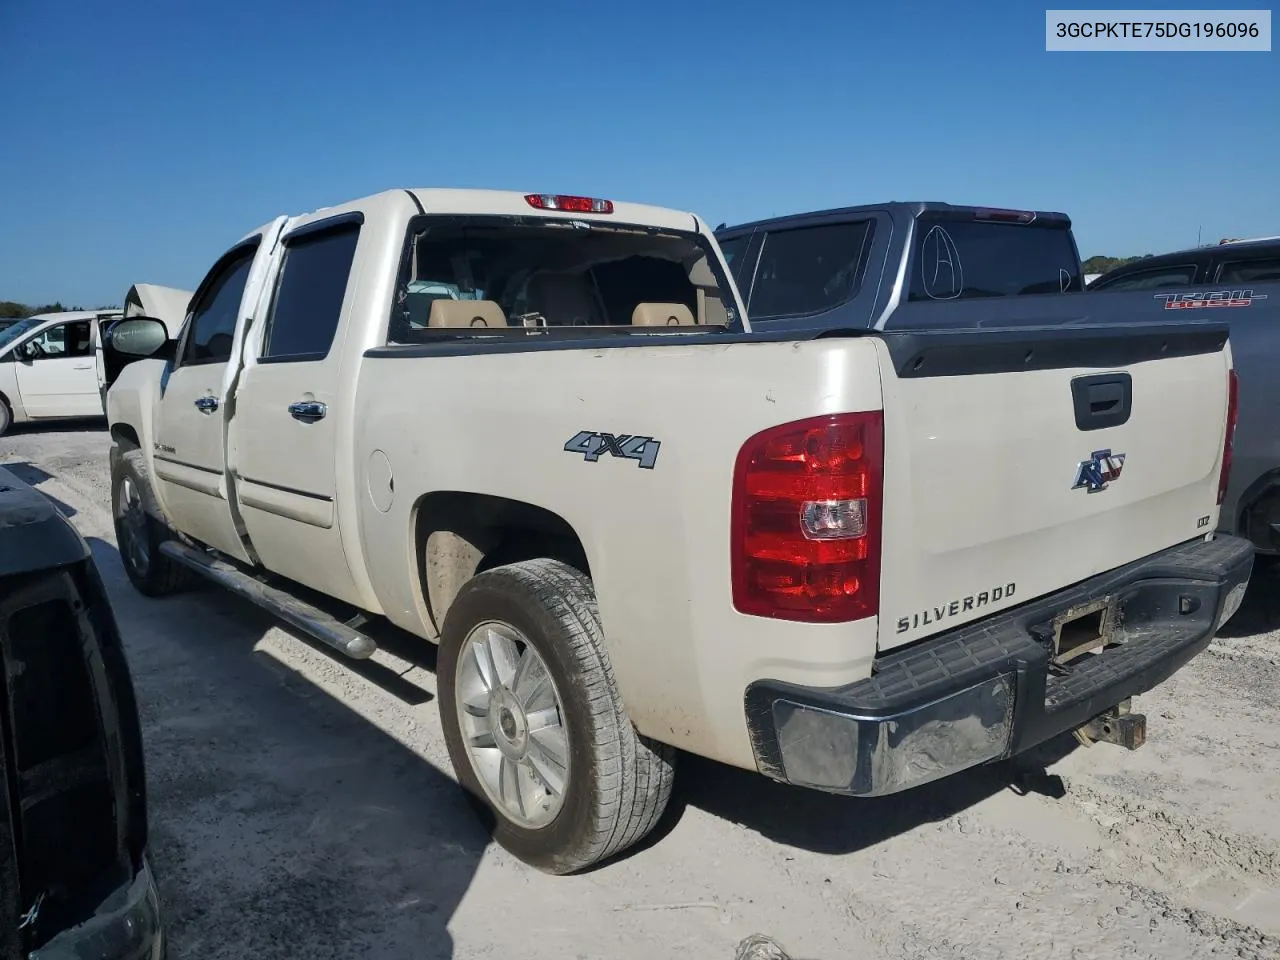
column 565, row 299
column 700, row 274
column 661, row 315
column 466, row 313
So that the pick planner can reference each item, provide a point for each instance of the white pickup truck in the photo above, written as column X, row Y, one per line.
column 540, row 431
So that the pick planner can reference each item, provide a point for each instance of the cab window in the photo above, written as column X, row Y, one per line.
column 62, row 340
column 1154, row 278
column 1263, row 270
column 213, row 318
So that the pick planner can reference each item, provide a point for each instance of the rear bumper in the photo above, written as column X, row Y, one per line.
column 989, row 690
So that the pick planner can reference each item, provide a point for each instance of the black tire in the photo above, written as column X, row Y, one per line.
column 6, row 417
column 619, row 781
column 151, row 572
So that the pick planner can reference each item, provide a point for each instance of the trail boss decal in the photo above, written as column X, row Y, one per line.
column 1098, row 471
column 935, row 615
column 592, row 445
column 1217, row 298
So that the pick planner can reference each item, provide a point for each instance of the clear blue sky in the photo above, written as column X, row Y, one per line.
column 142, row 138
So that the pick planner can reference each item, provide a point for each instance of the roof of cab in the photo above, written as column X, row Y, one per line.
column 897, row 209
column 463, row 202
column 1200, row 254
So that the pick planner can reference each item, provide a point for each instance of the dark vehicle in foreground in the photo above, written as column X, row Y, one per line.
column 74, row 879
column 1238, row 282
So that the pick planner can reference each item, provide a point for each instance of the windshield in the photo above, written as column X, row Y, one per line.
column 10, row 334
column 533, row 273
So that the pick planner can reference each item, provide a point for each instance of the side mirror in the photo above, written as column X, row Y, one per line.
column 137, row 338
column 27, row 352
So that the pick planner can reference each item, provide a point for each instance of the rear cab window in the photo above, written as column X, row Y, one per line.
column 513, row 276
column 960, row 257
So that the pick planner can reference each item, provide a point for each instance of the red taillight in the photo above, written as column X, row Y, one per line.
column 805, row 529
column 1228, row 442
column 559, row 201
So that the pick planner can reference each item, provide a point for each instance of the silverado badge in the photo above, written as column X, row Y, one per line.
column 1098, row 471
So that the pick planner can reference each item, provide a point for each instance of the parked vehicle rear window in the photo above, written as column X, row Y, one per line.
column 971, row 259
column 525, row 275
column 807, row 270
column 309, row 294
column 1250, row 271
column 1153, row 279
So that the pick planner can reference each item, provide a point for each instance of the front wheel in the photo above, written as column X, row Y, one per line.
column 140, row 529
column 534, row 723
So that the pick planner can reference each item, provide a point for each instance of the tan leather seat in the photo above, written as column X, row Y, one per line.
column 466, row 313
column 662, row 315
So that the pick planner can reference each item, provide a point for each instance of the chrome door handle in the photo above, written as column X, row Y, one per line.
column 308, row 411
column 207, row 404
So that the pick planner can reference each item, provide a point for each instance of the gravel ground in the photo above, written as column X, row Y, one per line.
column 304, row 806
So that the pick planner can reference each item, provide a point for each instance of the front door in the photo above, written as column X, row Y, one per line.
column 190, row 438
column 56, row 375
column 284, row 433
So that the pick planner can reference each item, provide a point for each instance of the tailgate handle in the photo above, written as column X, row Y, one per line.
column 1103, row 400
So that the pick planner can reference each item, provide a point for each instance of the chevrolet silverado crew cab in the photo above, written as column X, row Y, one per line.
column 541, row 431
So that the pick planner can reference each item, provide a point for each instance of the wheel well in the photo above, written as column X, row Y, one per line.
column 125, row 435
column 1257, row 508
column 458, row 535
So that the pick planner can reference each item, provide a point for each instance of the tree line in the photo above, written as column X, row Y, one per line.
column 1100, row 264
column 10, row 309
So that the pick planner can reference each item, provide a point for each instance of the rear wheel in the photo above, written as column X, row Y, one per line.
column 140, row 529
column 535, row 726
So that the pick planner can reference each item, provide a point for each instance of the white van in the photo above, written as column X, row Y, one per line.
column 51, row 365
column 48, row 369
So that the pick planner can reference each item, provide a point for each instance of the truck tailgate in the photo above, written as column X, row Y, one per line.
column 1020, row 462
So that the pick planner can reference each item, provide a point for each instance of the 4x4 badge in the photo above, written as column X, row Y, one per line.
column 1098, row 471
column 593, row 445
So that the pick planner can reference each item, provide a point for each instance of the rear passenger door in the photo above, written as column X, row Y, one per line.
column 284, row 432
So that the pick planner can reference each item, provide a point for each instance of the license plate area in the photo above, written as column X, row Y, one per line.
column 1084, row 628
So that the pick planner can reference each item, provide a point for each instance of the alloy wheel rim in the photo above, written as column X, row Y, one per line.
column 512, row 723
column 132, row 527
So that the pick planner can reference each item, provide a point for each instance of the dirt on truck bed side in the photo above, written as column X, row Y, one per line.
column 302, row 806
